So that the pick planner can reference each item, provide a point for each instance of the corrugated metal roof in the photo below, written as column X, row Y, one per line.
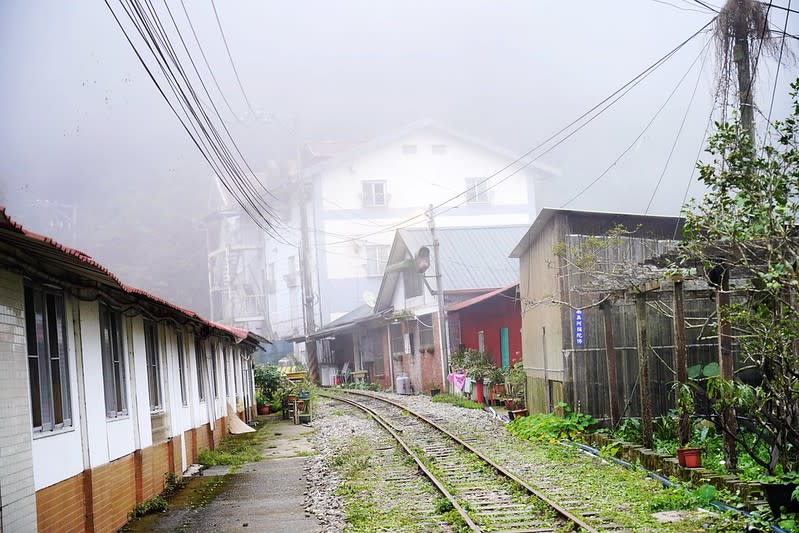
column 56, row 251
column 628, row 219
column 471, row 258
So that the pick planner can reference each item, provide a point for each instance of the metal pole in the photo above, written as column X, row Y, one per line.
column 442, row 317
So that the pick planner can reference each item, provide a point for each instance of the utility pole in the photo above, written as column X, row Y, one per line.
column 442, row 317
column 741, row 58
column 307, row 280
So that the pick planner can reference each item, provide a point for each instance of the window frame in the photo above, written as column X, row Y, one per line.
column 376, row 259
column 184, row 400
column 199, row 359
column 45, row 318
column 112, row 347
column 153, row 362
column 476, row 191
column 426, row 331
column 369, row 196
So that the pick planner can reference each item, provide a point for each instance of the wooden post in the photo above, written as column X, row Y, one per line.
column 610, row 360
column 726, row 370
column 681, row 359
column 643, row 369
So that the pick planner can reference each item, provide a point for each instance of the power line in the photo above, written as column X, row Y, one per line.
column 777, row 75
column 696, row 162
column 230, row 56
column 194, row 120
column 681, row 8
column 207, row 63
column 679, row 132
column 620, row 91
column 635, row 141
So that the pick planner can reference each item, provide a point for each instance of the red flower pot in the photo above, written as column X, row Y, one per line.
column 689, row 457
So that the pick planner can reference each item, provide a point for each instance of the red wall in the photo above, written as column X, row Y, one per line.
column 489, row 316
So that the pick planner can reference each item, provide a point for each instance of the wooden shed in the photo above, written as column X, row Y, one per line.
column 570, row 262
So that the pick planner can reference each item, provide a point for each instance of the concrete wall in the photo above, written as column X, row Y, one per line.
column 17, row 492
column 90, row 474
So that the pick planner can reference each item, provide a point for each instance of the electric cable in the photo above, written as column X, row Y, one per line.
column 230, row 57
column 679, row 132
column 621, row 90
column 635, row 141
column 777, row 75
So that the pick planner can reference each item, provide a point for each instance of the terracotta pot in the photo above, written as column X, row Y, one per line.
column 263, row 410
column 517, row 413
column 689, row 457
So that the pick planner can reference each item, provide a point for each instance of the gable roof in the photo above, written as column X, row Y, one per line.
column 44, row 249
column 665, row 224
column 378, row 142
column 471, row 258
column 483, row 297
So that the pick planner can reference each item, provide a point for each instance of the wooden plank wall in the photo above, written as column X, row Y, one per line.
column 586, row 369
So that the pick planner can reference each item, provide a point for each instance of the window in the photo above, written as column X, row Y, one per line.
column 182, row 369
column 215, row 380
column 48, row 372
column 476, row 192
column 373, row 193
column 153, row 365
column 397, row 340
column 412, row 280
column 224, row 369
column 116, row 395
column 199, row 356
column 426, row 338
column 376, row 259
column 409, row 149
column 438, row 149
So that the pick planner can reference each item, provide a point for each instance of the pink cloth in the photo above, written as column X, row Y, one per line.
column 458, row 380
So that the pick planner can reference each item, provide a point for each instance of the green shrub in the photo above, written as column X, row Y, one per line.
column 552, row 426
column 156, row 504
column 456, row 400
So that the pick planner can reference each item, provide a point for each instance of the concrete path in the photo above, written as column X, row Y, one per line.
column 266, row 496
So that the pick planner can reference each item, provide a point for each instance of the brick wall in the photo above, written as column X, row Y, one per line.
column 154, row 466
column 17, row 494
column 113, row 493
column 220, row 431
column 190, row 437
column 202, row 437
column 53, row 514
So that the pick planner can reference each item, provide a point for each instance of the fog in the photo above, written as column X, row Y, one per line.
column 87, row 139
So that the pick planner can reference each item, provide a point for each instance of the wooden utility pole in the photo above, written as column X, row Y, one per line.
column 610, row 360
column 741, row 58
column 643, row 369
column 442, row 317
column 726, row 370
column 681, row 358
column 307, row 279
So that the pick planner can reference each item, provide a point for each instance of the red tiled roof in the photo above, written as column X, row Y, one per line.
column 8, row 223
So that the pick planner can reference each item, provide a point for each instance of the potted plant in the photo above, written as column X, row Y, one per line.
column 515, row 381
column 689, row 455
column 260, row 401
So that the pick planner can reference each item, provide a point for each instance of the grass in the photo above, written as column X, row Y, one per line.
column 457, row 401
column 235, row 450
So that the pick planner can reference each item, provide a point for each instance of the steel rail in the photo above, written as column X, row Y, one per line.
column 568, row 515
column 441, row 488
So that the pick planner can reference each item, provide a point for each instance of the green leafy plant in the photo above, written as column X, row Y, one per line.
column 156, row 504
column 456, row 400
column 550, row 427
column 478, row 365
column 268, row 379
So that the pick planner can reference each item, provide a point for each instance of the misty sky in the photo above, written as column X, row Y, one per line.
column 81, row 119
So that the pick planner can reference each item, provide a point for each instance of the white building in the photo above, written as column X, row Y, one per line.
column 357, row 199
column 104, row 388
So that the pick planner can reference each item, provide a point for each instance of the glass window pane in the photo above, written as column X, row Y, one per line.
column 55, row 374
column 36, row 399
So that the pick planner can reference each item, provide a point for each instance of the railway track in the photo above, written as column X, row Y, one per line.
column 487, row 496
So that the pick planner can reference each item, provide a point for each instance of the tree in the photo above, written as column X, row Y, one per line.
column 747, row 225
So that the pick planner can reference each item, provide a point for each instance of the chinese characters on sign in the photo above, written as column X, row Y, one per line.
column 579, row 330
